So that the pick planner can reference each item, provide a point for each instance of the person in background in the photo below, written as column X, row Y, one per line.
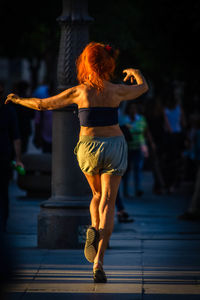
column 193, row 212
column 154, row 114
column 9, row 137
column 43, row 122
column 137, row 148
column 190, row 153
column 122, row 214
column 24, row 114
column 174, row 141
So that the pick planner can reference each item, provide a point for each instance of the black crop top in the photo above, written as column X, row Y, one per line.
column 98, row 116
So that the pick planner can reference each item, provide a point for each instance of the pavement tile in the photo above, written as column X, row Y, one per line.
column 14, row 296
column 22, row 240
column 172, row 253
column 74, row 296
column 171, row 297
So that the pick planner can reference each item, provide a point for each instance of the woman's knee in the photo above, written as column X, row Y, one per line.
column 96, row 198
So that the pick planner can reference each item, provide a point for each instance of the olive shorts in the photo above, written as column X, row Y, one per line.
column 97, row 155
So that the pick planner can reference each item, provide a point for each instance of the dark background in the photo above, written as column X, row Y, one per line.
column 159, row 37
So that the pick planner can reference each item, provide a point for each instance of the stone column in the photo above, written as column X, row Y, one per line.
column 65, row 215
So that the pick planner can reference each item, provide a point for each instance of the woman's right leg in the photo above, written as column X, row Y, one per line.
column 109, row 189
column 102, row 209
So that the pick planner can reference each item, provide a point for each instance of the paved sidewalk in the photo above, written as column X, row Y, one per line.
column 156, row 257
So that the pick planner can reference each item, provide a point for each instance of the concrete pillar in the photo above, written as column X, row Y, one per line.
column 64, row 216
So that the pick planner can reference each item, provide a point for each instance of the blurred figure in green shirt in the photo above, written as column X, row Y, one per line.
column 137, row 147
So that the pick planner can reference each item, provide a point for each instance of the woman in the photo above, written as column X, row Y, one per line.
column 101, row 150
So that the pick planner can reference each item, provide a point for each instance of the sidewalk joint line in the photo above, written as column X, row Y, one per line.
column 142, row 266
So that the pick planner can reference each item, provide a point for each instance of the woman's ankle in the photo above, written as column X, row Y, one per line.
column 96, row 226
column 98, row 265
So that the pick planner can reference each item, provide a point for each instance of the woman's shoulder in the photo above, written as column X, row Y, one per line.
column 90, row 96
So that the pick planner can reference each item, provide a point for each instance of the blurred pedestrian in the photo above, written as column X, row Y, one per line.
column 174, row 141
column 193, row 212
column 9, row 138
column 191, row 165
column 137, row 148
column 156, row 123
column 122, row 214
column 43, row 122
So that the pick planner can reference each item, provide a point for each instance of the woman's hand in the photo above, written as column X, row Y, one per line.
column 19, row 163
column 11, row 98
column 131, row 74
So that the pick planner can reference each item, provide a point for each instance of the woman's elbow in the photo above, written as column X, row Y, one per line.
column 39, row 108
column 146, row 87
column 41, row 105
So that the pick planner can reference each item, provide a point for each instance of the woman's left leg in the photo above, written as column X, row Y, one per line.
column 95, row 185
column 92, row 234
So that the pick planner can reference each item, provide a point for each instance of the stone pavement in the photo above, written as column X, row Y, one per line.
column 156, row 257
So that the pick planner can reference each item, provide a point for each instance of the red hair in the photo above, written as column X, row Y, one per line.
column 95, row 64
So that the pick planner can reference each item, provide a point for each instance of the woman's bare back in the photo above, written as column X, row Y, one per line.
column 92, row 98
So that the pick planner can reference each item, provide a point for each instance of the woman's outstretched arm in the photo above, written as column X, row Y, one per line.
column 59, row 101
column 130, row 92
